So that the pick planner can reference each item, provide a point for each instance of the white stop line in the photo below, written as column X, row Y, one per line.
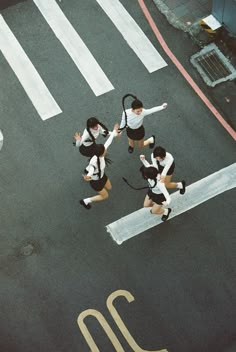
column 197, row 193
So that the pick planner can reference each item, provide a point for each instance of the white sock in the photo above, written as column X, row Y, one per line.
column 165, row 211
column 179, row 185
column 87, row 200
column 151, row 140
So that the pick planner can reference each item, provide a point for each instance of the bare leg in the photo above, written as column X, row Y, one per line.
column 143, row 143
column 131, row 142
column 103, row 194
column 168, row 182
column 108, row 185
column 180, row 185
column 157, row 209
column 147, row 202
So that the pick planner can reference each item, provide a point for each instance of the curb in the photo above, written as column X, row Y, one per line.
column 192, row 29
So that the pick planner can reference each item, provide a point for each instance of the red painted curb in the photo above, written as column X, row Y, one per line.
column 182, row 70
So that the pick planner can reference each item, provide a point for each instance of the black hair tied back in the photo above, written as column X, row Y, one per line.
column 123, row 106
column 143, row 171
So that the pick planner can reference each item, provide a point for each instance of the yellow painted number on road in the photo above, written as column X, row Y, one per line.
column 106, row 327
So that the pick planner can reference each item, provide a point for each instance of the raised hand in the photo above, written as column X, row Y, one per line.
column 77, row 136
column 86, row 177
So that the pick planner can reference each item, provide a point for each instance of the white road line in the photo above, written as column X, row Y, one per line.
column 133, row 34
column 75, row 47
column 1, row 139
column 197, row 193
column 29, row 78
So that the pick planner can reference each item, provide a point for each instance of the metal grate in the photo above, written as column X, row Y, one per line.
column 213, row 66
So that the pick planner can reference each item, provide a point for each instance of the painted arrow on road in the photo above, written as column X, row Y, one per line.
column 197, row 193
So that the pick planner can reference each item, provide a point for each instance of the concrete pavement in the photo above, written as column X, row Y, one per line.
column 185, row 15
column 7, row 3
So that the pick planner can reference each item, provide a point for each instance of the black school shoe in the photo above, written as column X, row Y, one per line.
column 151, row 145
column 182, row 190
column 87, row 206
column 130, row 149
column 165, row 217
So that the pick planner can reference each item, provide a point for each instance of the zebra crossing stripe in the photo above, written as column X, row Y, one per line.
column 28, row 76
column 1, row 139
column 133, row 34
column 197, row 193
column 75, row 47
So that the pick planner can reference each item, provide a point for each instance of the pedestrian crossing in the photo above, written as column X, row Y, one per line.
column 74, row 46
column 133, row 34
column 28, row 76
column 41, row 98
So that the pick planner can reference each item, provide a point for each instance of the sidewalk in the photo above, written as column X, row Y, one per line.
column 185, row 15
column 7, row 3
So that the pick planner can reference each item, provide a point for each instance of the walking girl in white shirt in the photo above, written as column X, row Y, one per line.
column 86, row 143
column 95, row 172
column 164, row 162
column 132, row 120
column 157, row 195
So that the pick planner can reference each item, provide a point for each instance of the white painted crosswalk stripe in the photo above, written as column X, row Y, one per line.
column 75, row 47
column 197, row 193
column 133, row 34
column 1, row 139
column 29, row 78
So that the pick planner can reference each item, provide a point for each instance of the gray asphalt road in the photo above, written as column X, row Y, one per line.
column 57, row 260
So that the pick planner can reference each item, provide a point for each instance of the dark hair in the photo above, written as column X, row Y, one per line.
column 149, row 172
column 123, row 105
column 99, row 150
column 159, row 151
column 92, row 122
column 136, row 104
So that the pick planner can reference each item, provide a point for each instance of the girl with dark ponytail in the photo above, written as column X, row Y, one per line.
column 132, row 120
column 94, row 172
column 157, row 195
column 86, row 143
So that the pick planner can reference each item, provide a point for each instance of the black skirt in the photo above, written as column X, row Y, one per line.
column 156, row 198
column 170, row 171
column 98, row 185
column 136, row 135
column 87, row 151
